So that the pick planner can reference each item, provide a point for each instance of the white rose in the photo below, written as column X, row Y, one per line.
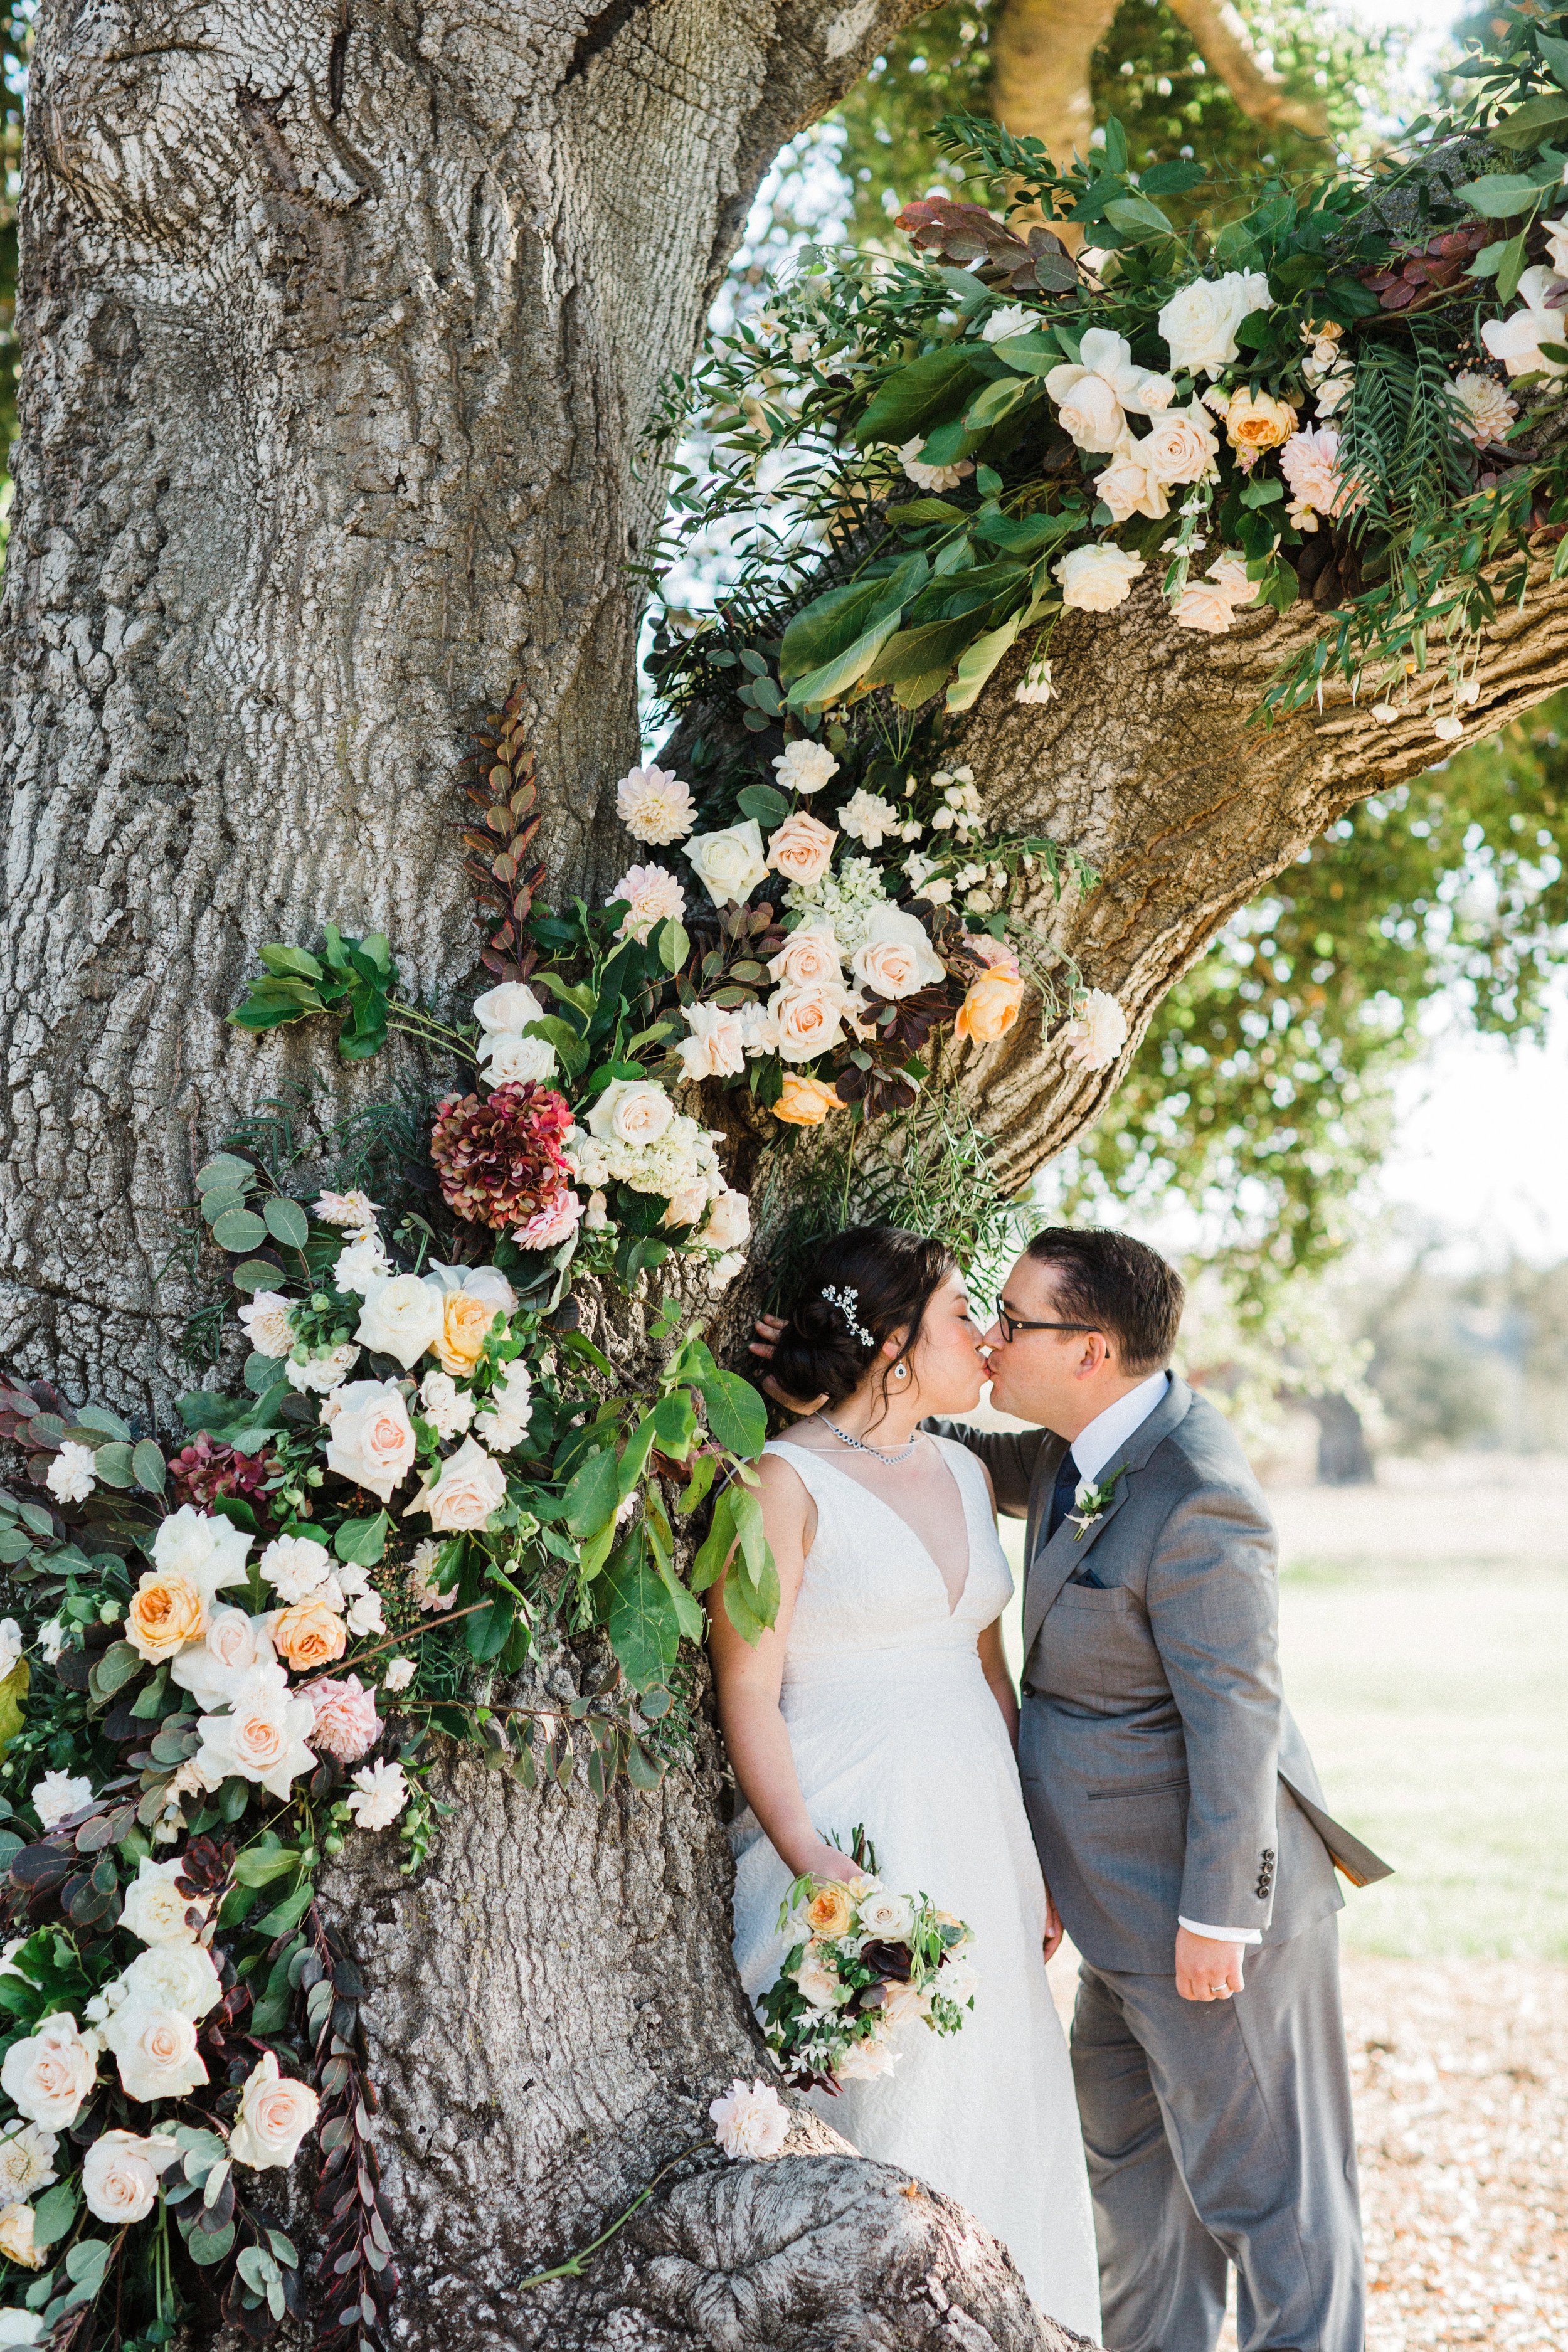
column 1096, row 578
column 399, row 1673
column 1127, row 488
column 1087, row 408
column 27, row 2155
column 275, row 2114
column 1199, row 324
column 688, row 1202
column 233, row 1643
column 1180, row 447
column 261, row 1738
column 365, row 1614
column 294, row 1566
column 370, row 1436
column 361, row 1266
column 1008, row 319
column 818, row 1985
column 175, row 1975
column 47, row 2076
column 266, row 1325
column 401, row 1318
column 804, row 766
column 323, row 1373
column 717, row 1045
column 21, row 2326
column 895, row 955
column 209, row 1552
column 448, row 1409
column 730, row 863
column 58, row 1795
column 1517, row 340
column 751, row 2121
column 154, row 1908
column 72, row 1475
column 380, row 1790
column 519, row 1061
column 887, row 1917
column 508, row 1009
column 465, row 1493
column 631, row 1110
column 120, row 2175
column 729, row 1222
column 155, row 2050
column 865, row 2062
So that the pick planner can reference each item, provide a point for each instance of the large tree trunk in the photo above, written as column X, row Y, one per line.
column 341, row 322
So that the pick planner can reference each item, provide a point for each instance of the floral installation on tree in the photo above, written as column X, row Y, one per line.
column 1327, row 398
column 863, row 1963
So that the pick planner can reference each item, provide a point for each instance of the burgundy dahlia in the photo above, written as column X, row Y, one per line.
column 499, row 1160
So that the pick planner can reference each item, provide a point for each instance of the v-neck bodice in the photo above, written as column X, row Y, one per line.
column 872, row 1586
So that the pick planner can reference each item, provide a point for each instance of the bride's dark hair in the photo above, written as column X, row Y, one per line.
column 884, row 1278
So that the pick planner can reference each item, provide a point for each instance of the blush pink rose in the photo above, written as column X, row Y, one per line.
column 802, row 848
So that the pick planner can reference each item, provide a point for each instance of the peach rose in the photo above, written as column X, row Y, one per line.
column 275, row 2114
column 829, row 1911
column 810, row 1019
column 465, row 1326
column 802, row 848
column 805, row 1102
column 992, row 1007
column 165, row 1613
column 807, row 955
column 895, row 957
column 309, row 1635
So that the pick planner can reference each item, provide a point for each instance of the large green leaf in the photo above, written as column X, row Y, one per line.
column 736, row 1414
column 1528, row 125
column 1500, row 194
column 995, row 401
column 916, row 397
column 13, row 1691
column 831, row 624
column 977, row 662
column 640, row 1615
column 832, row 681
column 916, row 662
column 593, row 1494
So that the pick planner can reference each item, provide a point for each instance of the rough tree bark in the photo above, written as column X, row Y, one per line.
column 340, row 319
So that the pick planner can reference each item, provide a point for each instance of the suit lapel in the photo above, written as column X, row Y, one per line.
column 1066, row 1552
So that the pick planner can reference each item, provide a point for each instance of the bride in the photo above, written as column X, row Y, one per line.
column 881, row 1697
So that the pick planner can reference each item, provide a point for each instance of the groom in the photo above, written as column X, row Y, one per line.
column 1179, row 1820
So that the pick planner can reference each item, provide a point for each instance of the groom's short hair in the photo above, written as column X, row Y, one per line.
column 1116, row 1284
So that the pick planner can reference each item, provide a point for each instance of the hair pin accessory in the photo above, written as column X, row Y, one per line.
column 847, row 1301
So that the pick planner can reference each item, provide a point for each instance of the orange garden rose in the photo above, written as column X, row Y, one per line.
column 829, row 1910
column 805, row 1102
column 991, row 1007
column 465, row 1325
column 1255, row 420
column 165, row 1613
column 309, row 1635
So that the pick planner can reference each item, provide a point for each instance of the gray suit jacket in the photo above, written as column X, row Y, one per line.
column 1163, row 1774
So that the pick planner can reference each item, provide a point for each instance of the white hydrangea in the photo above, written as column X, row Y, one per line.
column 682, row 1155
column 844, row 902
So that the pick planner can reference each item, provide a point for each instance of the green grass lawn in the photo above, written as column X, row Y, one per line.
column 1436, row 1702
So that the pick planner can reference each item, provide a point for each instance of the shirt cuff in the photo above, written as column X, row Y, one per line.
column 1222, row 1934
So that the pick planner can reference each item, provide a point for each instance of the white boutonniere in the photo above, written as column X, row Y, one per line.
column 1092, row 1501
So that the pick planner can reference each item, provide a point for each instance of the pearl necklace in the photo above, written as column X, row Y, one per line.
column 878, row 1453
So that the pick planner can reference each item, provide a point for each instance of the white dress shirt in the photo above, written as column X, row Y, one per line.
column 1091, row 1450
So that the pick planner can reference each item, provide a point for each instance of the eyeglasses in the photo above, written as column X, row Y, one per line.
column 1011, row 1326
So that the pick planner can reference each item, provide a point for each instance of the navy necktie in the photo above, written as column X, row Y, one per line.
column 1062, row 1493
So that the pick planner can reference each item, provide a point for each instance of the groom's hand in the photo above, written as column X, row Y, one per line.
column 767, row 1328
column 1206, row 1970
column 1054, row 1929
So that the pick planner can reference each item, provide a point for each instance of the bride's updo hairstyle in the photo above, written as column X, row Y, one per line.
column 864, row 1284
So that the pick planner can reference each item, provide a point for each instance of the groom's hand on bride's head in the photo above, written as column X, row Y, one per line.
column 768, row 1329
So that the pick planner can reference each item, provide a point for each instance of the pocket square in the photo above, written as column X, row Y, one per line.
column 1086, row 1576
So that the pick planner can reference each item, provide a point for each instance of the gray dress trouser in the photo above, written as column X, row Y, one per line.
column 1220, row 2133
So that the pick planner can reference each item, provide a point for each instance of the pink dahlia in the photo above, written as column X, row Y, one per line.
column 499, row 1160
column 546, row 1227
column 347, row 1725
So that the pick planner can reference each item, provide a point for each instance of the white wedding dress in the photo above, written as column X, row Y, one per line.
column 892, row 1723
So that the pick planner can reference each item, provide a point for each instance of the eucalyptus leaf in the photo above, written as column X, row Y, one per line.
column 239, row 1229
column 285, row 1222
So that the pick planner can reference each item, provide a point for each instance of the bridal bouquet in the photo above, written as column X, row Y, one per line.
column 862, row 1962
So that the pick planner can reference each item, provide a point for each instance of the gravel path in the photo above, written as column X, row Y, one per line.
column 1461, row 2084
